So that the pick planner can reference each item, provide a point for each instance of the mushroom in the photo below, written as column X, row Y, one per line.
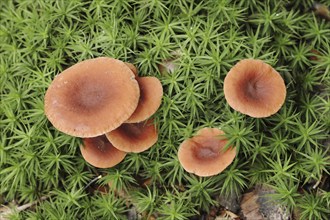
column 204, row 154
column 254, row 88
column 92, row 97
column 134, row 137
column 151, row 93
column 132, row 68
column 99, row 152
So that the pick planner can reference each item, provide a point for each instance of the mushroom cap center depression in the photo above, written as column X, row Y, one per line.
column 90, row 96
column 253, row 88
column 208, row 150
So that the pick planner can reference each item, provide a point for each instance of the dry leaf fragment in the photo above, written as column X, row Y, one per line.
column 250, row 206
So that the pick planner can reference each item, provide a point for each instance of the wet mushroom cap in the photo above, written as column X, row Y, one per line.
column 99, row 152
column 134, row 137
column 151, row 93
column 254, row 88
column 92, row 97
column 203, row 154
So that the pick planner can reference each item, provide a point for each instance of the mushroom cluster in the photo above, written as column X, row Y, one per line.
column 103, row 101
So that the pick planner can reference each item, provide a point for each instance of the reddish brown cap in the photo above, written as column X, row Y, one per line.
column 132, row 68
column 92, row 97
column 254, row 88
column 99, row 152
column 151, row 93
column 203, row 154
column 134, row 137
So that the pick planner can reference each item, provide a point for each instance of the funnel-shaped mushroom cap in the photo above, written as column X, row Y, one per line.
column 151, row 93
column 204, row 155
column 254, row 88
column 92, row 97
column 99, row 152
column 134, row 137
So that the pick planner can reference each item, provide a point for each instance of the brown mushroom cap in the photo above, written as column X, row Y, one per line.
column 151, row 93
column 203, row 154
column 254, row 88
column 92, row 97
column 99, row 152
column 134, row 137
column 132, row 68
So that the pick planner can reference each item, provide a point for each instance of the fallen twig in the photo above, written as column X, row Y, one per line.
column 20, row 208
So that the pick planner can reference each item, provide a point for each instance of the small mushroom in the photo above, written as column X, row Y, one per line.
column 204, row 154
column 134, row 137
column 92, row 97
column 254, row 88
column 99, row 152
column 151, row 93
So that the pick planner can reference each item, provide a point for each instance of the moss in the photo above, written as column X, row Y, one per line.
column 288, row 150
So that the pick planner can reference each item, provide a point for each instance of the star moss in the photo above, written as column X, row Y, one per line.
column 288, row 150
